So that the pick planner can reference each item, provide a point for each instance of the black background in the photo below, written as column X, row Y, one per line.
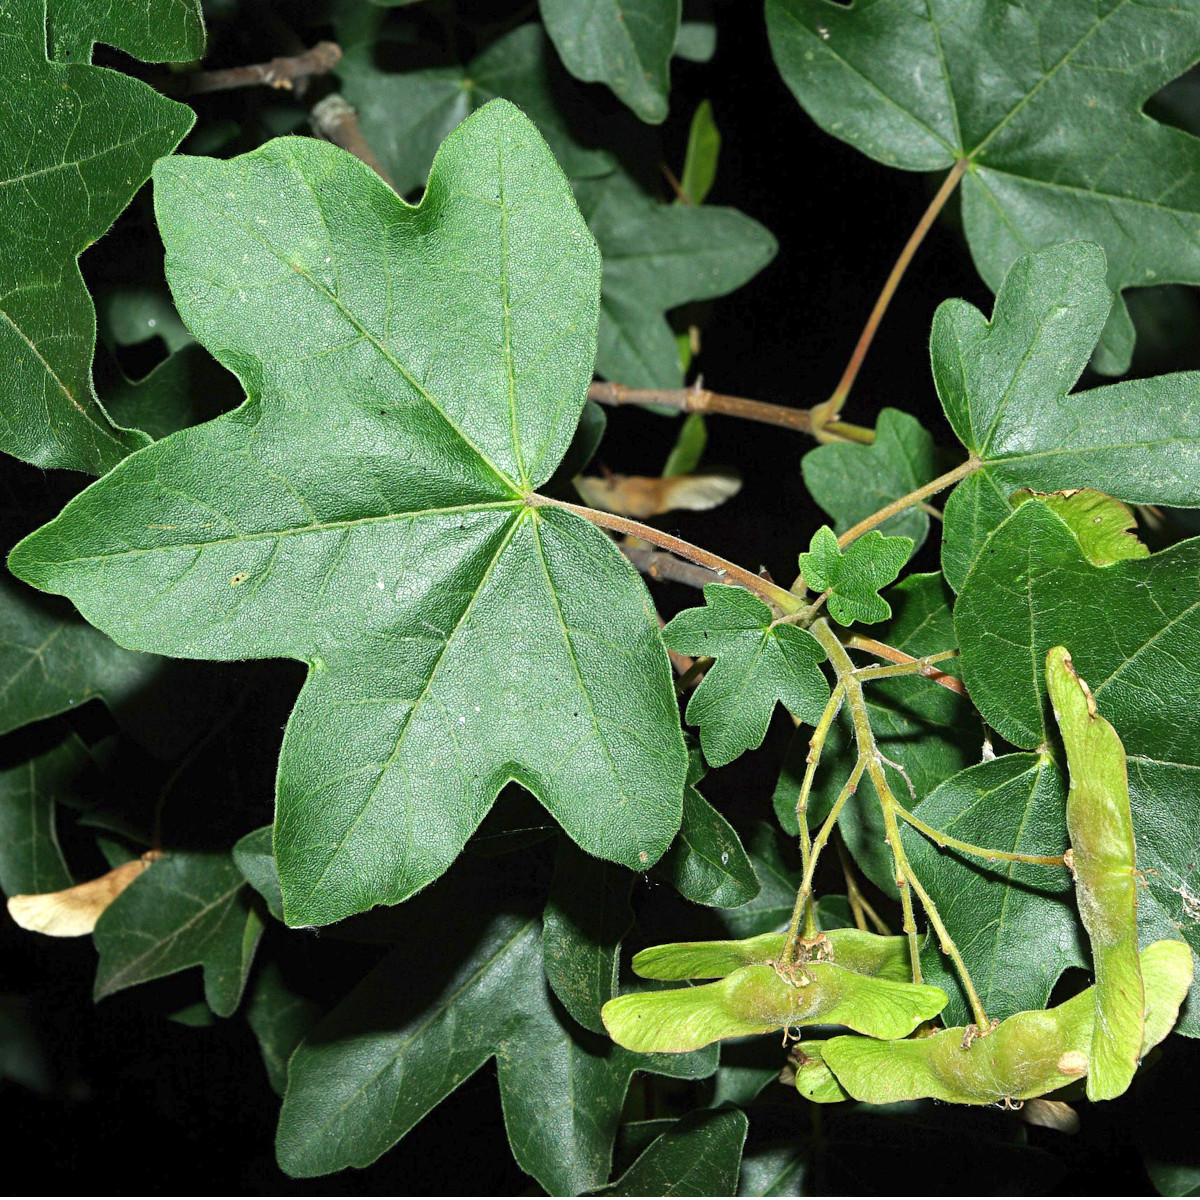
column 144, row 1105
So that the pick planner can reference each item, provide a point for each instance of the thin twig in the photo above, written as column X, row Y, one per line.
column 278, row 73
column 899, row 505
column 335, row 120
column 825, row 412
column 772, row 593
column 701, row 400
column 945, row 841
column 906, row 664
column 859, row 905
column 658, row 564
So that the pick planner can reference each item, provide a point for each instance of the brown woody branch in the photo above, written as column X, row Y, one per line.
column 658, row 564
column 335, row 120
column 701, row 400
column 284, row 73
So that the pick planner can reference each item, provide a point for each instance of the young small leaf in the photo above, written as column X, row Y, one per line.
column 851, row 482
column 700, row 162
column 758, row 663
column 854, row 576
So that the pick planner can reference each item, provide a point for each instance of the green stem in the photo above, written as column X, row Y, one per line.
column 913, row 666
column 906, row 879
column 914, row 497
column 947, row 842
column 951, row 949
column 819, row 842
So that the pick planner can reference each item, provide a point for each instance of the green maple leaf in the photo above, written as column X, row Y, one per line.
column 1014, row 923
column 658, row 257
column 51, row 661
column 1006, row 385
column 280, row 1019
column 626, row 44
column 406, row 115
column 707, row 862
column 758, row 663
column 152, row 30
column 187, row 909
column 76, row 142
column 31, row 859
column 853, row 576
column 925, row 732
column 699, row 1155
column 1129, row 626
column 417, row 1027
column 587, row 915
column 1043, row 98
column 850, row 482
column 365, row 511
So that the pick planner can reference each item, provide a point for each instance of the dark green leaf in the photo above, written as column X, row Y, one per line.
column 657, row 257
column 78, row 142
column 851, row 482
column 406, row 116
column 1006, row 388
column 255, row 859
column 370, row 495
column 1044, row 99
column 280, row 1019
column 758, row 663
column 626, row 44
column 188, row 909
column 30, row 858
column 772, row 908
column 1014, row 924
column 420, row 1024
column 853, row 576
column 184, row 389
column 707, row 863
column 51, row 660
column 700, row 1156
column 587, row 914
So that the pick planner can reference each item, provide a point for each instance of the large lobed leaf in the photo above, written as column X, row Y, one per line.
column 1006, row 385
column 76, row 142
column 1042, row 97
column 413, row 373
column 420, row 1024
